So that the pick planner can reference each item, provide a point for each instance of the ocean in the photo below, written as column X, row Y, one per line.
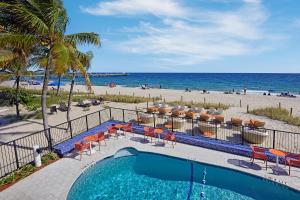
column 254, row 82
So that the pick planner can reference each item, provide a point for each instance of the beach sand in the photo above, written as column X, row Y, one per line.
column 14, row 130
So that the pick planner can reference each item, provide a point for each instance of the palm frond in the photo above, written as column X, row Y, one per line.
column 84, row 38
column 15, row 40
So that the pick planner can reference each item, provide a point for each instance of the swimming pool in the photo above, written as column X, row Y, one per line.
column 138, row 175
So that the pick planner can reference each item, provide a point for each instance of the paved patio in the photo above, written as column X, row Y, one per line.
column 54, row 181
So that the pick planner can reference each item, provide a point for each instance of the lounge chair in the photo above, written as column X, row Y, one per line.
column 255, row 136
column 146, row 118
column 208, row 129
column 53, row 109
column 152, row 109
column 204, row 117
column 178, row 112
column 219, row 111
column 177, row 123
column 191, row 114
column 292, row 160
column 81, row 147
column 255, row 123
column 95, row 102
column 165, row 110
column 63, row 107
column 211, row 111
column 219, row 119
column 235, row 121
column 83, row 104
column 259, row 153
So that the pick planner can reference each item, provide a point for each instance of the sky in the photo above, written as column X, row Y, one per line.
column 261, row 36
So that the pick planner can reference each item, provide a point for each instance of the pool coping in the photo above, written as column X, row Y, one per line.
column 76, row 168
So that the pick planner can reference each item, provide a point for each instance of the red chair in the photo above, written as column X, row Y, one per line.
column 100, row 137
column 112, row 131
column 128, row 128
column 149, row 132
column 170, row 137
column 82, row 146
column 259, row 153
column 292, row 160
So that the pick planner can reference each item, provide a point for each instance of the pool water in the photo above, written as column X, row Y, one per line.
column 153, row 176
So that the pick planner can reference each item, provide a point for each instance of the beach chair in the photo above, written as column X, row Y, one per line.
column 259, row 153
column 82, row 104
column 204, row 117
column 95, row 102
column 53, row 109
column 63, row 107
column 81, row 147
column 235, row 121
column 219, row 119
column 292, row 160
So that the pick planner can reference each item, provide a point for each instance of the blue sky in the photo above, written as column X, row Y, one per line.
column 190, row 35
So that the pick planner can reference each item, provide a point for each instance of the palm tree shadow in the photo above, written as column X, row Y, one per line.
column 244, row 164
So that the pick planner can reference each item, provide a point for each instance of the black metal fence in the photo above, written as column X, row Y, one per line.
column 19, row 152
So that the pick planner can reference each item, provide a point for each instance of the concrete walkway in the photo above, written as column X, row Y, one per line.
column 54, row 181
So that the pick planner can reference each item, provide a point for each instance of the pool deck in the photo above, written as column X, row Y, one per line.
column 54, row 181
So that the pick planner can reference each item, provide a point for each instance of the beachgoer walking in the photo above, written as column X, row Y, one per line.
column 245, row 91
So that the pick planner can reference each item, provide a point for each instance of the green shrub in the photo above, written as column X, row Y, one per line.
column 127, row 98
column 49, row 157
column 280, row 114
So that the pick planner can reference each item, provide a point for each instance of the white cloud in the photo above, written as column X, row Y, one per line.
column 169, row 8
column 188, row 35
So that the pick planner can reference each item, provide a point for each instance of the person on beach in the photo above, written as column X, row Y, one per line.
column 245, row 91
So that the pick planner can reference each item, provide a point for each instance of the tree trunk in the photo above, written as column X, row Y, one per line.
column 44, row 97
column 17, row 102
column 58, row 85
column 70, row 96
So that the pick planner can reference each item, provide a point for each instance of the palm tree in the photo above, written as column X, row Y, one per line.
column 43, row 23
column 79, row 62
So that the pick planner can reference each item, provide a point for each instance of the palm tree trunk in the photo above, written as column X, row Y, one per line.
column 17, row 96
column 58, row 85
column 70, row 96
column 44, row 97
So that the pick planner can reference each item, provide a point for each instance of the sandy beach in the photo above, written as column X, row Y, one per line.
column 15, row 130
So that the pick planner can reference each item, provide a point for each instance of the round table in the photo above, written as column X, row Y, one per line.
column 278, row 154
column 158, row 131
column 90, row 139
column 119, row 126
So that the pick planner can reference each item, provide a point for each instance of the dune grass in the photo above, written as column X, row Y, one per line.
column 127, row 98
column 199, row 105
column 280, row 114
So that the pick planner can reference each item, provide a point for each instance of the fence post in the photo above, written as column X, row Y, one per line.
column 243, row 135
column 247, row 108
column 137, row 117
column 16, row 154
column 87, row 123
column 172, row 123
column 123, row 112
column 147, row 104
column 71, row 131
column 204, row 100
column 154, row 121
column 181, row 98
column 192, row 127
column 133, row 94
column 291, row 112
column 274, row 139
column 110, row 113
column 50, row 140
column 216, row 130
column 149, row 96
column 100, row 118
column 279, row 105
column 240, row 102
